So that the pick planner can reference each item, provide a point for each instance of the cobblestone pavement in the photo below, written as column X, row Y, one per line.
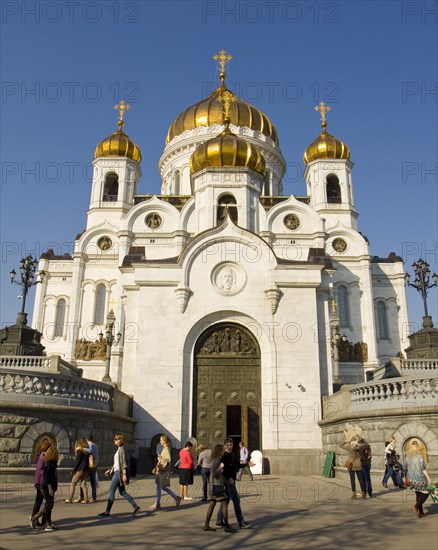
column 284, row 513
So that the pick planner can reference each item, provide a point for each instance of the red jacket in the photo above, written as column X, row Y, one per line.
column 186, row 459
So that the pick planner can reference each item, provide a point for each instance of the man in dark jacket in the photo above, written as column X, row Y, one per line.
column 231, row 466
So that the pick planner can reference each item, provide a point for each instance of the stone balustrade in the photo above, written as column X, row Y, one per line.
column 415, row 366
column 53, row 363
column 55, row 389
column 387, row 392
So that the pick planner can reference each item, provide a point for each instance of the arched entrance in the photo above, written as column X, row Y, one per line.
column 227, row 386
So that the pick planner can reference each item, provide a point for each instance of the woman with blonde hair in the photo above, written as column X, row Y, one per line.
column 80, row 471
column 49, row 485
column 418, row 476
column 162, row 474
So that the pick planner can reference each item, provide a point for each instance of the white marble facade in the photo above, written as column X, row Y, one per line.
column 169, row 271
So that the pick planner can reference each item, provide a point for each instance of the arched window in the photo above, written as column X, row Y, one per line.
column 343, row 309
column 227, row 206
column 333, row 189
column 111, row 188
column 265, row 191
column 177, row 183
column 99, row 308
column 382, row 321
column 60, row 317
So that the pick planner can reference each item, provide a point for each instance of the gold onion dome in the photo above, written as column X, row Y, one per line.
column 209, row 111
column 119, row 144
column 326, row 146
column 227, row 151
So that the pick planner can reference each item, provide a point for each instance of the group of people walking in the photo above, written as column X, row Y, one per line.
column 414, row 469
column 220, row 469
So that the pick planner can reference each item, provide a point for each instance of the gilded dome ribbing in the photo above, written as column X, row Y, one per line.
column 326, row 146
column 209, row 111
column 228, row 151
column 118, row 144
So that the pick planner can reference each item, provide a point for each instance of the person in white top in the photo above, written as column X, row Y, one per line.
column 244, row 462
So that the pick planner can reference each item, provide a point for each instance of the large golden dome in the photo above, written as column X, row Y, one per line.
column 229, row 151
column 118, row 144
column 210, row 111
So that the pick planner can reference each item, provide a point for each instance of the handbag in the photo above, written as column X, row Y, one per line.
column 348, row 464
column 91, row 463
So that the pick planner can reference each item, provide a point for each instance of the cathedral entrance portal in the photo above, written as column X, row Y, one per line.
column 227, row 386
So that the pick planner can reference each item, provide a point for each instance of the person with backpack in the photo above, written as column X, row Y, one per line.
column 244, row 462
column 365, row 458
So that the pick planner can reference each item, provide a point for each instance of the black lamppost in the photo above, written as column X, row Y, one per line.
column 28, row 279
column 422, row 283
column 110, row 341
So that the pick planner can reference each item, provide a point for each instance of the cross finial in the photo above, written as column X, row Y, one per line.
column 333, row 306
column 223, row 58
column 111, row 304
column 227, row 98
column 122, row 107
column 323, row 109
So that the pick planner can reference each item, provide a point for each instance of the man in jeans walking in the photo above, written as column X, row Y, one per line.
column 231, row 467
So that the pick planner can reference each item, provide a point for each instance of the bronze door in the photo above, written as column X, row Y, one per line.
column 227, row 387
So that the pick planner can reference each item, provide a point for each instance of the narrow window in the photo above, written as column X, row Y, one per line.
column 333, row 189
column 382, row 321
column 265, row 190
column 177, row 183
column 343, row 310
column 99, row 310
column 111, row 188
column 60, row 317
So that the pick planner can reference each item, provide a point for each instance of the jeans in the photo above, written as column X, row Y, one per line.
column 38, row 499
column 48, row 506
column 115, row 484
column 167, row 490
column 234, row 496
column 366, row 470
column 205, row 475
column 93, row 484
column 360, row 477
column 390, row 472
column 244, row 468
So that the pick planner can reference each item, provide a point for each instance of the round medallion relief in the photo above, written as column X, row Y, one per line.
column 339, row 245
column 292, row 221
column 228, row 278
column 104, row 243
column 153, row 221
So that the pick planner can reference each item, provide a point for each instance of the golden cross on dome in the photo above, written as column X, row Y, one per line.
column 223, row 58
column 227, row 98
column 322, row 108
column 333, row 306
column 111, row 304
column 122, row 108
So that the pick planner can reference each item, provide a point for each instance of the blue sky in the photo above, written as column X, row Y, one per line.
column 64, row 65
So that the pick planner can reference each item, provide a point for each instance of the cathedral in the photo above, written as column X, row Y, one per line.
column 223, row 306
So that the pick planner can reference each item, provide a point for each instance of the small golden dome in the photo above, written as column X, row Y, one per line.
column 326, row 146
column 209, row 111
column 118, row 144
column 229, row 151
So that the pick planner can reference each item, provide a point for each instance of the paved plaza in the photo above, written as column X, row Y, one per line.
column 284, row 512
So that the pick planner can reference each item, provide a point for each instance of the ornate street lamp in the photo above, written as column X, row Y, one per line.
column 110, row 342
column 422, row 283
column 28, row 277
column 336, row 341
